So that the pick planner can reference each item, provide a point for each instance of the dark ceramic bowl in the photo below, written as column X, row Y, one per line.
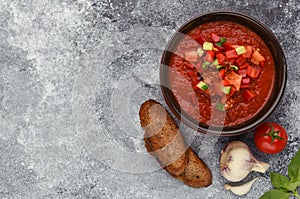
column 280, row 73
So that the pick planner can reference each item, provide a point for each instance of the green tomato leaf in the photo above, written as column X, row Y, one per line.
column 275, row 193
column 280, row 181
column 294, row 168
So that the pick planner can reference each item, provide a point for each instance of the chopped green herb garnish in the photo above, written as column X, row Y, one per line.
column 221, row 42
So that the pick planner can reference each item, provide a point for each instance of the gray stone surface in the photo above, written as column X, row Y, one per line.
column 72, row 77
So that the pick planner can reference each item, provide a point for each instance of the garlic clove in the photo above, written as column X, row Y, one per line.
column 241, row 189
column 237, row 162
column 260, row 166
column 237, row 165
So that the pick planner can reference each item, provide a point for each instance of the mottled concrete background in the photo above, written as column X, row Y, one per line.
column 72, row 77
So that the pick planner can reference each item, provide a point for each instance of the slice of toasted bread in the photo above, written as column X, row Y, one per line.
column 196, row 173
column 163, row 138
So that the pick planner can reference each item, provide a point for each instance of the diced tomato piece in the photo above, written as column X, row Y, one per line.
column 191, row 56
column 240, row 61
column 234, row 79
column 231, row 54
column 262, row 64
column 248, row 95
column 201, row 39
column 248, row 52
column 253, row 72
column 225, row 83
column 242, row 72
column 231, row 61
column 215, row 37
column 246, row 80
column 222, row 73
column 234, row 46
column 198, row 66
column 244, row 66
column 220, row 57
column 210, row 56
column 232, row 91
column 257, row 57
column 245, row 86
column 258, row 70
column 188, row 64
column 211, row 53
column 227, row 46
column 193, row 76
column 196, row 87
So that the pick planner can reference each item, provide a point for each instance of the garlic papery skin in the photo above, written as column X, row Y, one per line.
column 237, row 162
column 242, row 189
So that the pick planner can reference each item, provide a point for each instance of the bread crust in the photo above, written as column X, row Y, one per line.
column 164, row 141
column 196, row 173
column 163, row 138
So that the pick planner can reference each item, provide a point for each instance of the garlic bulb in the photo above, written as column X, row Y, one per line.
column 242, row 189
column 237, row 162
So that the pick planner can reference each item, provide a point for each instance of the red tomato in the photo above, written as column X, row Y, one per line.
column 270, row 138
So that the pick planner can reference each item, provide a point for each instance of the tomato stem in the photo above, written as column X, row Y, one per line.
column 274, row 134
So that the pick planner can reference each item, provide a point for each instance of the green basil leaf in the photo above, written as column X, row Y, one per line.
column 280, row 181
column 294, row 168
column 275, row 193
column 293, row 186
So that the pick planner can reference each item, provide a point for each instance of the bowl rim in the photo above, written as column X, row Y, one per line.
column 214, row 130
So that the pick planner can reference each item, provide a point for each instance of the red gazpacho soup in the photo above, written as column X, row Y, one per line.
column 222, row 73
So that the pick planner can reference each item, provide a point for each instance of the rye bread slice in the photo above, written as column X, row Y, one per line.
column 163, row 138
column 196, row 173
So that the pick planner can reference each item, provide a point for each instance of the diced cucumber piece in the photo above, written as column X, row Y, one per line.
column 200, row 52
column 215, row 62
column 226, row 89
column 205, row 64
column 202, row 85
column 207, row 46
column 219, row 66
column 220, row 106
column 240, row 50
column 234, row 67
